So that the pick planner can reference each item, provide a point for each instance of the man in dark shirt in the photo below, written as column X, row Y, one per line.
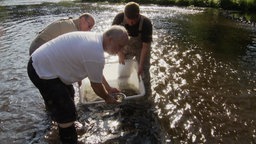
column 139, row 29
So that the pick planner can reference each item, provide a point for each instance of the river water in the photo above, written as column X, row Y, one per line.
column 203, row 79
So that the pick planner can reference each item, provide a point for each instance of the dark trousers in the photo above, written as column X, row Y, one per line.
column 58, row 97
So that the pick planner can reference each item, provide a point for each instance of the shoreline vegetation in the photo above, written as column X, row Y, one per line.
column 240, row 10
column 237, row 5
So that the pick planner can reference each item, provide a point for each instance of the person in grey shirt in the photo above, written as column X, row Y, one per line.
column 84, row 22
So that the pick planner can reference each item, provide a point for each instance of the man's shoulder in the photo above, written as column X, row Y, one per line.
column 59, row 23
column 66, row 22
column 83, row 34
column 118, row 18
column 120, row 14
column 146, row 19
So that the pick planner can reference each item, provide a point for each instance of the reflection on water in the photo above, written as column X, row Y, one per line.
column 204, row 89
column 202, row 68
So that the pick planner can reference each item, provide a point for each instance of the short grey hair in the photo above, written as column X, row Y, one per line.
column 116, row 32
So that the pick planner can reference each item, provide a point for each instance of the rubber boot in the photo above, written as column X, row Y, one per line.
column 68, row 135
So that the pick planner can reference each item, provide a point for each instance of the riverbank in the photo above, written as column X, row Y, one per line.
column 240, row 5
column 240, row 11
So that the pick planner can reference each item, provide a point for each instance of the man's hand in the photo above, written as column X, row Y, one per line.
column 121, row 57
column 113, row 90
column 140, row 70
column 79, row 83
column 111, row 100
column 99, row 89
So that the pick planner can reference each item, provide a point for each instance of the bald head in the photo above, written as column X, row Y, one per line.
column 116, row 32
column 114, row 39
column 86, row 22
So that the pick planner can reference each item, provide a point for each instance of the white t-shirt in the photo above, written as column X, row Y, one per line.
column 71, row 57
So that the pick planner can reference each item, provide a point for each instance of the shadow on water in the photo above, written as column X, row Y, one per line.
column 202, row 79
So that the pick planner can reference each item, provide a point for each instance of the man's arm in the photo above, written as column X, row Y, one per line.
column 121, row 57
column 147, row 31
column 143, row 56
column 108, row 87
column 118, row 19
column 99, row 89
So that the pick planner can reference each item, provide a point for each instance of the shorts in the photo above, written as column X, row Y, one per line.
column 58, row 97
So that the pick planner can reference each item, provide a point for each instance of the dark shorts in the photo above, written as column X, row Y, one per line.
column 58, row 97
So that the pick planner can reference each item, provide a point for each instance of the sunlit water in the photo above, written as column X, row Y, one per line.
column 202, row 69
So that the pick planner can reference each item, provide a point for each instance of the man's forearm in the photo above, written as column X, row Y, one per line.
column 99, row 89
column 144, row 53
column 105, row 83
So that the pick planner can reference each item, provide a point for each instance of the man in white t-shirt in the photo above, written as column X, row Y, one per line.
column 67, row 59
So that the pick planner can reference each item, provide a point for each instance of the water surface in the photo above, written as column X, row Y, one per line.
column 202, row 69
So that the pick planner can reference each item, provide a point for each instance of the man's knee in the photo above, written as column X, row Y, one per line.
column 65, row 125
